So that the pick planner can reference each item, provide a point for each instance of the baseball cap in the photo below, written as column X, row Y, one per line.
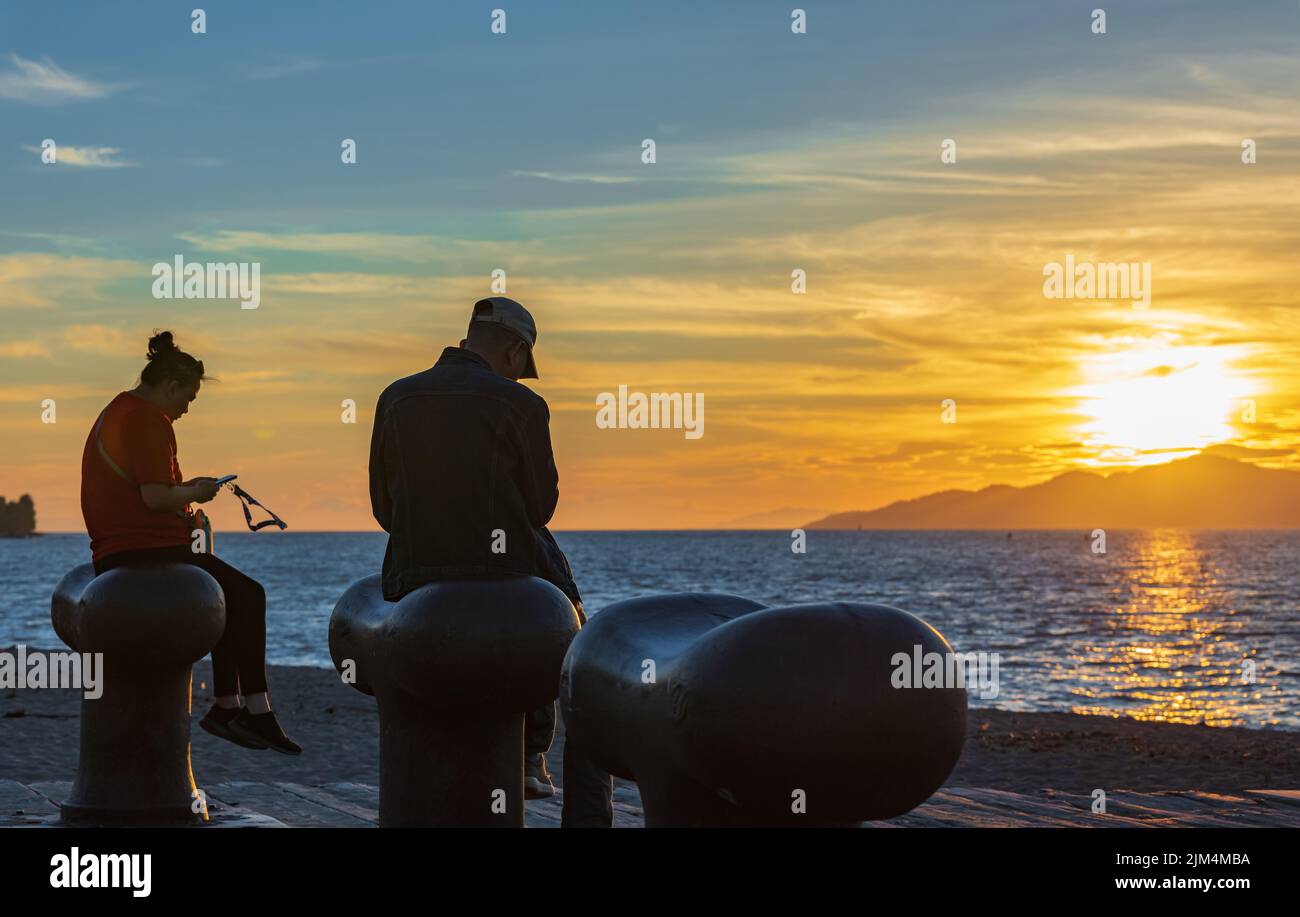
column 513, row 316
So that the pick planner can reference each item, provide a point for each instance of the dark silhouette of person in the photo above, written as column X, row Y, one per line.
column 463, row 480
column 137, row 509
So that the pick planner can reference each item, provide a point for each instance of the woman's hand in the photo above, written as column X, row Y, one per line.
column 204, row 489
column 169, row 498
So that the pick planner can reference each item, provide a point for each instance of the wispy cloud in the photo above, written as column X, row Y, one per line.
column 279, row 69
column 377, row 246
column 36, row 392
column 21, row 350
column 39, row 280
column 393, row 246
column 570, row 178
column 89, row 157
column 355, row 286
column 96, row 339
column 46, row 81
column 59, row 240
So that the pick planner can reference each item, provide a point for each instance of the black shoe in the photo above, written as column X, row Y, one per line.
column 537, row 782
column 219, row 720
column 264, row 728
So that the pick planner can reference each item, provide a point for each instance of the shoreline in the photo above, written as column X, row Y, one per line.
column 338, row 728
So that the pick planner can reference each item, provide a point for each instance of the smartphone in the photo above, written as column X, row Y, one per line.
column 226, row 478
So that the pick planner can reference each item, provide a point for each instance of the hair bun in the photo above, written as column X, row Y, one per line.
column 161, row 344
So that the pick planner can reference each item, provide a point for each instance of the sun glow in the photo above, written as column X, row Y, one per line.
column 1156, row 401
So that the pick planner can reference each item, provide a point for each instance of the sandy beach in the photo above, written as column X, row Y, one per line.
column 1020, row 752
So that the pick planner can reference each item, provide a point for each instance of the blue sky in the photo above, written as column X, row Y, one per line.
column 240, row 127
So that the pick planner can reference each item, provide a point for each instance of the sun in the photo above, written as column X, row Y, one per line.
column 1155, row 400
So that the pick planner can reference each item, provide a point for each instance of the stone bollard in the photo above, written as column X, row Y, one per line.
column 728, row 713
column 454, row 666
column 152, row 623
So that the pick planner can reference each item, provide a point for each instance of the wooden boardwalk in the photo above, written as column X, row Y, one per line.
column 247, row 803
column 960, row 807
column 355, row 805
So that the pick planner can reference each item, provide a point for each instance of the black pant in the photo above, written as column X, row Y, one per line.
column 588, row 790
column 239, row 658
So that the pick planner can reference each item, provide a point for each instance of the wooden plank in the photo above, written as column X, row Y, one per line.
column 1047, row 811
column 358, row 793
column 1167, row 810
column 54, row 790
column 16, row 799
column 542, row 813
column 356, row 805
column 1245, row 811
column 1286, row 797
column 271, row 800
column 974, row 807
column 234, row 818
column 331, row 800
column 41, row 811
column 626, row 816
column 1213, row 800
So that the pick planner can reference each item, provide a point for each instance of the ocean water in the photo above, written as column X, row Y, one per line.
column 1156, row 628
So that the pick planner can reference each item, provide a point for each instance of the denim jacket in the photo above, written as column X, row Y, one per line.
column 462, row 478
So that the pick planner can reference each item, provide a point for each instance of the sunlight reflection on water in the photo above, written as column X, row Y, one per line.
column 1157, row 628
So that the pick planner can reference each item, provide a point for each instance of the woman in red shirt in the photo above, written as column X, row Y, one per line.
column 137, row 511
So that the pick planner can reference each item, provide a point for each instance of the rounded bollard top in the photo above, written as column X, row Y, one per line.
column 763, row 706
column 493, row 644
column 812, row 691
column 166, row 613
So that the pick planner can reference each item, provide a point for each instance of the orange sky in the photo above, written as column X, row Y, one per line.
column 925, row 283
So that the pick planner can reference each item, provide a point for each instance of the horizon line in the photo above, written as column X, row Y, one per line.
column 1192, row 528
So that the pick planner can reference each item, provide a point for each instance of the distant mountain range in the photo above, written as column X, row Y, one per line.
column 1204, row 491
column 784, row 518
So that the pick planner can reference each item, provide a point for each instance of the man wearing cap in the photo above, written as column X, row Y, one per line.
column 479, row 439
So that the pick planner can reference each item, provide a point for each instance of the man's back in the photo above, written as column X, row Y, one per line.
column 462, row 477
